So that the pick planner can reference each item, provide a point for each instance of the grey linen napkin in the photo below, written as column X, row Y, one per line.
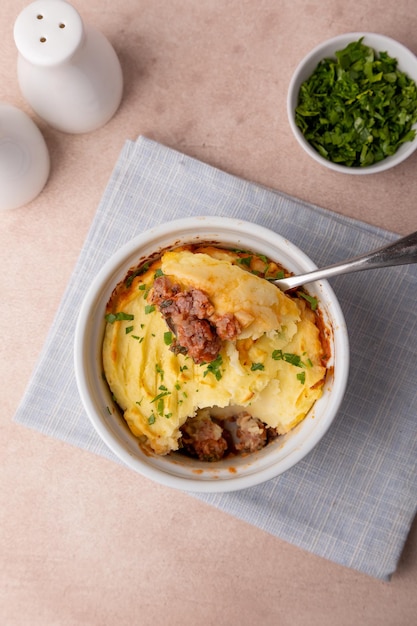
column 353, row 498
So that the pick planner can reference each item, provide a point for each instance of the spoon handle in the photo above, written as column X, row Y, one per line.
column 401, row 252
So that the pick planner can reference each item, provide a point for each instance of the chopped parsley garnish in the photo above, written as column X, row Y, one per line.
column 313, row 302
column 288, row 357
column 149, row 308
column 118, row 317
column 138, row 272
column 358, row 108
column 128, row 329
column 159, row 370
column 245, row 260
column 277, row 276
column 301, row 376
column 168, row 338
column 145, row 290
column 158, row 273
column 151, row 419
column 257, row 366
column 214, row 367
column 160, row 395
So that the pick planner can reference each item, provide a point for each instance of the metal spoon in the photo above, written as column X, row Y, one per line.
column 401, row 252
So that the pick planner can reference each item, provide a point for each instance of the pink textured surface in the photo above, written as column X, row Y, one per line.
column 82, row 540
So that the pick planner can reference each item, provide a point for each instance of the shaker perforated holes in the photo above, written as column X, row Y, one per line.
column 47, row 33
column 85, row 87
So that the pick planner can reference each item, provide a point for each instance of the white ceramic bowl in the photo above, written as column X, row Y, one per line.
column 176, row 470
column 407, row 62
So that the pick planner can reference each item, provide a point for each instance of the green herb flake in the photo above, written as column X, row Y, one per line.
column 151, row 419
column 118, row 317
column 158, row 273
column 257, row 366
column 245, row 260
column 313, row 302
column 301, row 376
column 279, row 274
column 160, row 395
column 149, row 308
column 138, row 272
column 159, row 370
column 288, row 357
column 128, row 329
column 358, row 108
column 168, row 338
column 214, row 367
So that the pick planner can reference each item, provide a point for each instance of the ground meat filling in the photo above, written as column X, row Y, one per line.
column 211, row 439
column 250, row 433
column 203, row 438
column 191, row 316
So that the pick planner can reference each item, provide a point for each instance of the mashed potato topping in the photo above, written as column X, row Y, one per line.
column 272, row 370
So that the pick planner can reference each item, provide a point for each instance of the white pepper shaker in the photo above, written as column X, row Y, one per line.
column 24, row 158
column 67, row 70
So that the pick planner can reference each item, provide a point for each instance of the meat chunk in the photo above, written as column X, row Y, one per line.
column 191, row 316
column 198, row 338
column 203, row 438
column 162, row 290
column 227, row 326
column 250, row 432
column 210, row 439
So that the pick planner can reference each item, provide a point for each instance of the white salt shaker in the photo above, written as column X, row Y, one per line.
column 67, row 70
column 24, row 158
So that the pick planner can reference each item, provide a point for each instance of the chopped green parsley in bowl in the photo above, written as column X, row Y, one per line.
column 352, row 103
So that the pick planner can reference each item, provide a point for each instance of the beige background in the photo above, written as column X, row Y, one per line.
column 83, row 540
